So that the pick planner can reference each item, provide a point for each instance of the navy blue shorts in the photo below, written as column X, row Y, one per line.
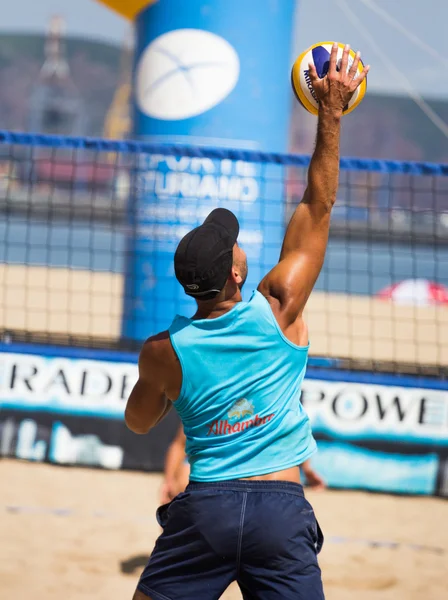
column 262, row 534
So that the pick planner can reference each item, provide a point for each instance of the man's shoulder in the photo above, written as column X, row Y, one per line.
column 158, row 338
column 159, row 360
column 158, row 350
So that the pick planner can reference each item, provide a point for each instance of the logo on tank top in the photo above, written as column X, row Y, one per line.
column 237, row 422
column 240, row 409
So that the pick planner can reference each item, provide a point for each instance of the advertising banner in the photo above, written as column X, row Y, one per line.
column 70, row 411
column 391, row 438
column 379, row 437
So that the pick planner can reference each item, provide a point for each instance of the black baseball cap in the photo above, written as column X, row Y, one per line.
column 204, row 257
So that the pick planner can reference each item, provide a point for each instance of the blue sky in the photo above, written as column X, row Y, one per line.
column 422, row 61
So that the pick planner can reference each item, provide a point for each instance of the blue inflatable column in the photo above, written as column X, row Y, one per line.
column 207, row 73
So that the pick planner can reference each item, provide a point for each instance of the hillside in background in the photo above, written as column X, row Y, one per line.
column 382, row 126
column 94, row 70
column 389, row 127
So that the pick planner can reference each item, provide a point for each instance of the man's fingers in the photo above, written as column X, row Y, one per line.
column 354, row 67
column 333, row 59
column 344, row 61
column 312, row 72
column 356, row 82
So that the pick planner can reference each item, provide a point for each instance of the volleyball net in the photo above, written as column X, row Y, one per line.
column 89, row 228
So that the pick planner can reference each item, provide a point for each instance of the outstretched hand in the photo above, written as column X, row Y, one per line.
column 335, row 90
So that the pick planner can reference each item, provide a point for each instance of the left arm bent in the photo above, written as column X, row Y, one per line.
column 147, row 404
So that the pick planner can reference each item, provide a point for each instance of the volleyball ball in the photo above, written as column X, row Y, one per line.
column 319, row 54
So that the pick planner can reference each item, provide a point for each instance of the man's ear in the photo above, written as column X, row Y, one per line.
column 236, row 275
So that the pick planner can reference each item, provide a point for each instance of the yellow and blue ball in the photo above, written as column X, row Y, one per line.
column 319, row 54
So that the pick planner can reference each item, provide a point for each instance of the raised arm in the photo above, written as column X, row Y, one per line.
column 289, row 284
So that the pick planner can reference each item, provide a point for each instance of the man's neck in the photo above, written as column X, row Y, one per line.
column 210, row 309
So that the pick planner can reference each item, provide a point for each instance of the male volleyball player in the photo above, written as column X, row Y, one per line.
column 177, row 470
column 233, row 372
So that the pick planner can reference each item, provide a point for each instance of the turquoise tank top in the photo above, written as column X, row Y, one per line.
column 240, row 395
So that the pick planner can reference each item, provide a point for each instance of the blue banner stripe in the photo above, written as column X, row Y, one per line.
column 396, row 380
column 118, row 356
column 369, row 436
column 103, row 412
column 74, row 352
column 251, row 156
